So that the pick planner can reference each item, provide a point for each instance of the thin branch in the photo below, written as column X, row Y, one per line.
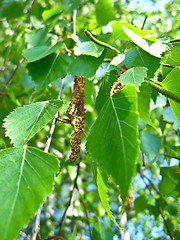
column 70, row 199
column 46, row 149
column 11, row 76
column 28, row 13
column 55, row 237
column 170, row 66
column 86, row 213
column 74, row 21
column 165, row 223
column 144, row 22
column 160, row 209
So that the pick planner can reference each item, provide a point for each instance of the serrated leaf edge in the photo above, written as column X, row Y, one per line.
column 5, row 122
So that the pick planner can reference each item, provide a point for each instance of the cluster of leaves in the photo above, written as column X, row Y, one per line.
column 133, row 132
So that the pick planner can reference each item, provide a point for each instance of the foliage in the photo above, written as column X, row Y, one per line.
column 128, row 58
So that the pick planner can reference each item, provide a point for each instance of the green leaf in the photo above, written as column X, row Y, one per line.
column 144, row 98
column 86, row 66
column 104, row 12
column 88, row 48
column 24, row 122
column 134, row 76
column 37, row 37
column 173, row 59
column 49, row 16
column 49, row 69
column 137, row 57
column 140, row 204
column 170, row 184
column 26, row 179
column 154, row 48
column 150, row 144
column 168, row 114
column 176, row 109
column 103, row 94
column 103, row 193
column 12, row 8
column 102, row 232
column 118, row 33
column 38, row 52
column 172, row 83
column 113, row 140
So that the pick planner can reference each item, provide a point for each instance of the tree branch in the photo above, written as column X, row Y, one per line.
column 55, row 237
column 46, row 149
column 28, row 13
column 70, row 199
column 170, row 66
column 11, row 76
column 144, row 22
column 86, row 213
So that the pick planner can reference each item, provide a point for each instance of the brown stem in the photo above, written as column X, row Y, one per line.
column 55, row 237
column 86, row 213
column 165, row 223
column 70, row 199
column 170, row 66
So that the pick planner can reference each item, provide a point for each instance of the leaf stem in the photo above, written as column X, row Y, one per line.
column 100, row 43
column 158, row 87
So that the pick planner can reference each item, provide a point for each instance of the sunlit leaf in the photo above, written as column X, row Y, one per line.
column 26, row 179
column 137, row 57
column 154, row 48
column 113, row 140
column 118, row 33
column 104, row 12
column 24, row 122
column 133, row 76
column 51, row 15
column 88, row 48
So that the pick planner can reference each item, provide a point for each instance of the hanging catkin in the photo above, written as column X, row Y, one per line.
column 117, row 86
column 76, row 114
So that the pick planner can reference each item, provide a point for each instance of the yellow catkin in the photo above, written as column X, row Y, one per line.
column 129, row 202
column 76, row 114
